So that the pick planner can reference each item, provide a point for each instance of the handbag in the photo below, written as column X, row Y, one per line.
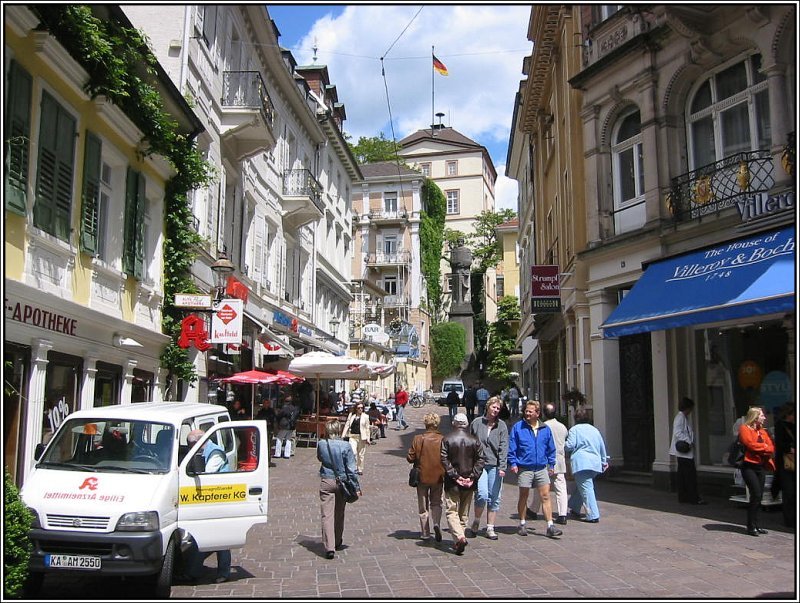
column 414, row 472
column 347, row 487
column 683, row 446
column 735, row 453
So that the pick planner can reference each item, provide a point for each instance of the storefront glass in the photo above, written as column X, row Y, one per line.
column 142, row 386
column 62, row 385
column 107, row 384
column 737, row 367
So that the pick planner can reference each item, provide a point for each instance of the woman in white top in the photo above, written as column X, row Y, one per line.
column 356, row 429
column 682, row 431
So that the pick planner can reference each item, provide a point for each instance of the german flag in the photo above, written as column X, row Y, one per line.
column 439, row 66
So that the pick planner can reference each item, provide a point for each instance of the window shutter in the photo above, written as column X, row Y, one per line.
column 90, row 217
column 18, row 130
column 138, row 251
column 66, row 165
column 129, row 250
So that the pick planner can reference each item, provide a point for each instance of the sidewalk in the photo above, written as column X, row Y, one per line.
column 645, row 546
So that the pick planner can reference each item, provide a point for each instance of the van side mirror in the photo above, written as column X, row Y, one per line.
column 38, row 451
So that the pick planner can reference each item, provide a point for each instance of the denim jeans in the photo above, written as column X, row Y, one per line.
column 490, row 488
column 453, row 409
column 584, row 494
column 194, row 562
column 401, row 415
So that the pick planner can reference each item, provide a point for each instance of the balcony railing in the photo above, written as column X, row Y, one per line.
column 301, row 183
column 246, row 89
column 716, row 186
column 395, row 301
column 384, row 258
column 383, row 214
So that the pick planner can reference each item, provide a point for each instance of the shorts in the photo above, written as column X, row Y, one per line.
column 529, row 478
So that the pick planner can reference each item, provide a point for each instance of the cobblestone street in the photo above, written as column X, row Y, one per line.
column 645, row 546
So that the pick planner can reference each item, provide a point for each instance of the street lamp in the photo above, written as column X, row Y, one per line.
column 222, row 269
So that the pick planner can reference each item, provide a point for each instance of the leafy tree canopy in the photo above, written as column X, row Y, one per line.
column 484, row 243
column 448, row 348
column 375, row 148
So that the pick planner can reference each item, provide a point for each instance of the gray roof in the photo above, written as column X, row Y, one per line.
column 448, row 135
column 386, row 169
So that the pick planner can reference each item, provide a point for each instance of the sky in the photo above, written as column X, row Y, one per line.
column 482, row 46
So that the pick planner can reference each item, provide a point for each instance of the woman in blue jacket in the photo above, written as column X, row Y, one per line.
column 588, row 459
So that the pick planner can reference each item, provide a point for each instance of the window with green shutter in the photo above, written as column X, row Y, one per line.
column 133, row 254
column 17, row 137
column 53, row 204
column 90, row 208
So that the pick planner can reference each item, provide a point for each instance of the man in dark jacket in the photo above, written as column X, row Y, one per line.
column 470, row 401
column 452, row 403
column 287, row 418
column 462, row 458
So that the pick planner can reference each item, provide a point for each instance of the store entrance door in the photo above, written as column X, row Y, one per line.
column 636, row 390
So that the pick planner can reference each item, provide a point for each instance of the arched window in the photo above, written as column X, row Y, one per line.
column 628, row 170
column 729, row 113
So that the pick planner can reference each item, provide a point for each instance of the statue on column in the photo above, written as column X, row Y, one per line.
column 461, row 264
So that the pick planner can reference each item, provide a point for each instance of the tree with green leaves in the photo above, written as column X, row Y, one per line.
column 372, row 149
column 486, row 247
column 448, row 348
column 502, row 336
column 17, row 521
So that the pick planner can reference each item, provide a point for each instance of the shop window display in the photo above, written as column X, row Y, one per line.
column 737, row 366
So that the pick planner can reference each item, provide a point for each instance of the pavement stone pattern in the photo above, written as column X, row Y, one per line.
column 645, row 546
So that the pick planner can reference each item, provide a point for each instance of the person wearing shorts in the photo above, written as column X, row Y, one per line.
column 532, row 457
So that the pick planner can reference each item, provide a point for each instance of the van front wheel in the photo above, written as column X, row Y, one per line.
column 162, row 581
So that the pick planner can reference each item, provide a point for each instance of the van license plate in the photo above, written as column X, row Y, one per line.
column 78, row 562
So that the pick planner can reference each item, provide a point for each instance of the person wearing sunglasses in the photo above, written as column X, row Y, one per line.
column 356, row 428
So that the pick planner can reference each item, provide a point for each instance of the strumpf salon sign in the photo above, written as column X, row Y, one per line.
column 545, row 290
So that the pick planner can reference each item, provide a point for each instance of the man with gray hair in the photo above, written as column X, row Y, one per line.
column 559, row 481
column 462, row 458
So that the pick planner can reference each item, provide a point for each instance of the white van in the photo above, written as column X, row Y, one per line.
column 114, row 493
column 449, row 385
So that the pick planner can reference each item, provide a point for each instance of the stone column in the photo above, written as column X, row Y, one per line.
column 606, row 408
column 780, row 120
column 34, row 414
column 127, row 381
column 87, row 382
column 663, row 394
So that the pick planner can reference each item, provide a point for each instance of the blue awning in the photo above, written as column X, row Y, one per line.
column 741, row 278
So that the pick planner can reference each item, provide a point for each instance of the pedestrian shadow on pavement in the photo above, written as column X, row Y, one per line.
column 724, row 527
column 312, row 545
column 404, row 535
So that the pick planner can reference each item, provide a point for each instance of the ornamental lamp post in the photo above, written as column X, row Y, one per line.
column 334, row 323
column 222, row 269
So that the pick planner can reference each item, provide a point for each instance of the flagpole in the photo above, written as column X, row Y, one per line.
column 433, row 85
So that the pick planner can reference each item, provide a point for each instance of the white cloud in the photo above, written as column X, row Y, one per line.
column 482, row 47
column 505, row 191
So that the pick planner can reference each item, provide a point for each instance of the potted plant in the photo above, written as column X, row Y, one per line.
column 574, row 397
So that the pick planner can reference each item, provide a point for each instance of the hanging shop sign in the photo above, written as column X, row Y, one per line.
column 545, row 290
column 762, row 204
column 375, row 332
column 285, row 321
column 38, row 317
column 226, row 322
column 193, row 332
column 198, row 302
column 236, row 288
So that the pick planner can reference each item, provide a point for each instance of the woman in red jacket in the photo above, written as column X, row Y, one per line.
column 758, row 453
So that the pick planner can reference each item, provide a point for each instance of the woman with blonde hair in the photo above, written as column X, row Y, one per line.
column 336, row 456
column 356, row 428
column 425, row 452
column 493, row 435
column 758, row 453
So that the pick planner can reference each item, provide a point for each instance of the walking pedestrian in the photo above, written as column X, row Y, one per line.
column 559, row 484
column 532, row 455
column 400, row 401
column 356, row 428
column 462, row 458
column 492, row 433
column 335, row 457
column 426, row 452
column 483, row 395
column 758, row 456
column 470, row 401
column 287, row 420
column 588, row 458
column 513, row 400
column 682, row 431
column 452, row 403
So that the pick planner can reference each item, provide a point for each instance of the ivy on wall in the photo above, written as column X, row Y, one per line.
column 431, row 239
column 121, row 67
column 503, row 338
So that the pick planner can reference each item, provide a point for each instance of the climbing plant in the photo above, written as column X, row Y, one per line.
column 502, row 338
column 122, row 67
column 448, row 348
column 431, row 229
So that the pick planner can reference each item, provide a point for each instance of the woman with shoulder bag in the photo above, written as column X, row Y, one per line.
column 336, row 457
column 682, row 448
column 425, row 453
column 758, row 453
column 356, row 428
column 493, row 435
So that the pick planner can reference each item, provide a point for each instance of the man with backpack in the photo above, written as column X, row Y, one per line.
column 287, row 419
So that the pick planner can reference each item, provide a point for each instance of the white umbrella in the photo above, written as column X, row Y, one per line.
column 322, row 365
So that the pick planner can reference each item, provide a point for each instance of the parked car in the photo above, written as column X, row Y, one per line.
column 449, row 385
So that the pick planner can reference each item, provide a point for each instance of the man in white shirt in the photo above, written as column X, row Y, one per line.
column 559, row 479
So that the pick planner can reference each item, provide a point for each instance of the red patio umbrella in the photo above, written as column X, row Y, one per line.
column 254, row 378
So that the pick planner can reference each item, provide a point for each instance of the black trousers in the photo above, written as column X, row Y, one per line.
column 788, row 496
column 687, row 481
column 753, row 476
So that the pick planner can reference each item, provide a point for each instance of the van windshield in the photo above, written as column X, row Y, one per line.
column 448, row 387
column 111, row 445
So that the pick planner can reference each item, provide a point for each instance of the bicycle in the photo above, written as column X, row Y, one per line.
column 418, row 401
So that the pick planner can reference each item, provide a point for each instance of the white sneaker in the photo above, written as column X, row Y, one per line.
column 490, row 534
